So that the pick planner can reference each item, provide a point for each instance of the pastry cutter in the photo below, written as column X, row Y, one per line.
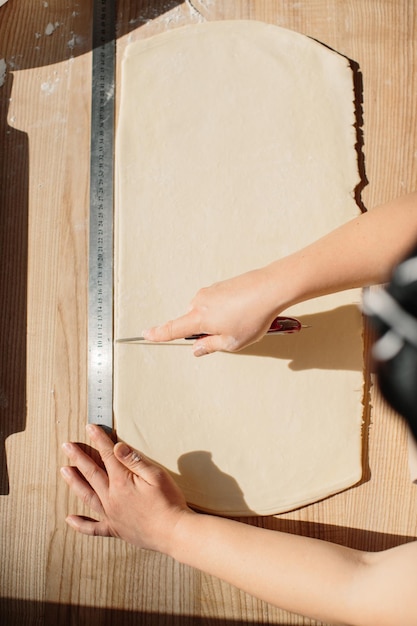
column 280, row 325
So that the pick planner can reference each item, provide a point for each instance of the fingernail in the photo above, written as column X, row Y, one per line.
column 66, row 447
column 65, row 471
column 71, row 522
column 90, row 429
column 145, row 333
column 124, row 450
column 199, row 350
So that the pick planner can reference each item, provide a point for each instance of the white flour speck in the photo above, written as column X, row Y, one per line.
column 49, row 28
column 49, row 86
column 72, row 42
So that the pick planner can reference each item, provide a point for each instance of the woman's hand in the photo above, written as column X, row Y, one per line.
column 234, row 313
column 135, row 499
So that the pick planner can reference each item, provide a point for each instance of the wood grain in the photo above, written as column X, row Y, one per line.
column 48, row 574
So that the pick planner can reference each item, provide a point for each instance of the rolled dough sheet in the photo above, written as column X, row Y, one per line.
column 235, row 146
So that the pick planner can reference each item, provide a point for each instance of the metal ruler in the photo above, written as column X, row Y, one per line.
column 100, row 273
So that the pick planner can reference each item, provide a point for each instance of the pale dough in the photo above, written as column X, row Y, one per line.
column 235, row 146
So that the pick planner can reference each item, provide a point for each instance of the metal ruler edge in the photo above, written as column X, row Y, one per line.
column 100, row 255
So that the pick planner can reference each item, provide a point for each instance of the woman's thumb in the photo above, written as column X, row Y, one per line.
column 129, row 457
column 136, row 462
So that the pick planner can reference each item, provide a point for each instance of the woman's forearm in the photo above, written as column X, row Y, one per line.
column 299, row 574
column 314, row 578
column 362, row 252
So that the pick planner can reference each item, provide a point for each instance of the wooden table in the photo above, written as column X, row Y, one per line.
column 49, row 574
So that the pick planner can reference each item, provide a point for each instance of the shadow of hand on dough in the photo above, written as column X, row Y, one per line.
column 330, row 342
column 203, row 482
